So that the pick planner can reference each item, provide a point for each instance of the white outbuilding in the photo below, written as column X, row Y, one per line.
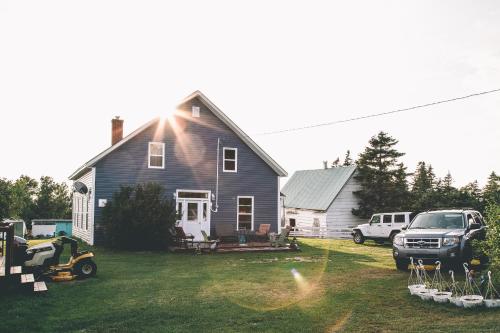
column 319, row 203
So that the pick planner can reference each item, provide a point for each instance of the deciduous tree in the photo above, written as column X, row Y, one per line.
column 5, row 198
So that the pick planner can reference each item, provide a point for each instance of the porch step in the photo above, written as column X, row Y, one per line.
column 27, row 278
column 39, row 287
column 16, row 270
column 13, row 270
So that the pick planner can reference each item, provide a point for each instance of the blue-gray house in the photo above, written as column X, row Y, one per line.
column 214, row 171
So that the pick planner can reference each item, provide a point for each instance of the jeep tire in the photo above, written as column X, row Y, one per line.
column 358, row 237
column 393, row 234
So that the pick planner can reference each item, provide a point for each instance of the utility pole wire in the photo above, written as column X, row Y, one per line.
column 380, row 114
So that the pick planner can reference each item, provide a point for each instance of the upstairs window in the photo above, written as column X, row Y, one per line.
column 195, row 111
column 156, row 155
column 230, row 156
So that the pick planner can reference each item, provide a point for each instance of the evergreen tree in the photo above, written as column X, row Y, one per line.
column 382, row 178
column 422, row 190
column 491, row 191
column 347, row 159
column 336, row 163
column 446, row 195
column 470, row 196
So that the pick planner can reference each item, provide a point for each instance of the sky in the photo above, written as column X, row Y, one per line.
column 68, row 67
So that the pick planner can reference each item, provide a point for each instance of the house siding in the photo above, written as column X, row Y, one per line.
column 83, row 221
column 304, row 218
column 339, row 214
column 191, row 164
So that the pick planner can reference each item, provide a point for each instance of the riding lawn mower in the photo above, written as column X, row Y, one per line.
column 43, row 259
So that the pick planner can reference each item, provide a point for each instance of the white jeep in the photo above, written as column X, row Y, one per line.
column 381, row 227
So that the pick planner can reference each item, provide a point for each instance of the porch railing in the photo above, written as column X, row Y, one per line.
column 336, row 232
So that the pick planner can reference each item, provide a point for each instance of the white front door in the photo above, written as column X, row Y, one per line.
column 194, row 210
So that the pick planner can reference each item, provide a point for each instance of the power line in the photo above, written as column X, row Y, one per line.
column 380, row 114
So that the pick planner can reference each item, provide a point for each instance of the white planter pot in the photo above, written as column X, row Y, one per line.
column 414, row 288
column 471, row 301
column 426, row 294
column 492, row 303
column 441, row 296
column 457, row 301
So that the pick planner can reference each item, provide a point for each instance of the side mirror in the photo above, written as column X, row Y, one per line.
column 474, row 226
column 404, row 228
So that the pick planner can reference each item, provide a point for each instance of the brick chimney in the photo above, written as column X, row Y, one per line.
column 116, row 130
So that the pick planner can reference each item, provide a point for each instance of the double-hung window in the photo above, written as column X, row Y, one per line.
column 230, row 157
column 245, row 213
column 156, row 155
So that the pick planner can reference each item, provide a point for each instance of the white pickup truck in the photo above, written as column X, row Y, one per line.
column 381, row 227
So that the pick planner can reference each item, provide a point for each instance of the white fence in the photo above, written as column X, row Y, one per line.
column 338, row 232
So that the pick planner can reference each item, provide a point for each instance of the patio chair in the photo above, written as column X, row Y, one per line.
column 263, row 233
column 226, row 232
column 282, row 238
column 181, row 239
column 207, row 241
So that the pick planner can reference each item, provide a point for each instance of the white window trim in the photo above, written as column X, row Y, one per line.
column 224, row 159
column 163, row 155
column 238, row 210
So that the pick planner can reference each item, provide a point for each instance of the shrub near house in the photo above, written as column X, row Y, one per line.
column 138, row 218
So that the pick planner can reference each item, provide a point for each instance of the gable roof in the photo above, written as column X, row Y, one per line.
column 316, row 189
column 216, row 111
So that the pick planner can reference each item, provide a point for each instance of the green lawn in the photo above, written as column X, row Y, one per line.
column 340, row 286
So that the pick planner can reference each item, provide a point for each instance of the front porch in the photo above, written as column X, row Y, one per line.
column 233, row 248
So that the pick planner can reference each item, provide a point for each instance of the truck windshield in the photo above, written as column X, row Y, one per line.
column 438, row 221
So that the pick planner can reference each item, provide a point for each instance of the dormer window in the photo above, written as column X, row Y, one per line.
column 156, row 155
column 195, row 111
column 230, row 157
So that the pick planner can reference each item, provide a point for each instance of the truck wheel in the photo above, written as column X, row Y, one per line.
column 358, row 237
column 401, row 265
column 85, row 269
column 391, row 237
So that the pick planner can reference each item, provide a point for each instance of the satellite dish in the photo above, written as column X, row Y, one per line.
column 80, row 188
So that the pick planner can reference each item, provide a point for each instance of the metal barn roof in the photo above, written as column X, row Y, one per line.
column 316, row 189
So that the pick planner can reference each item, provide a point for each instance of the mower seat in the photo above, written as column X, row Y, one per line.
column 57, row 254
